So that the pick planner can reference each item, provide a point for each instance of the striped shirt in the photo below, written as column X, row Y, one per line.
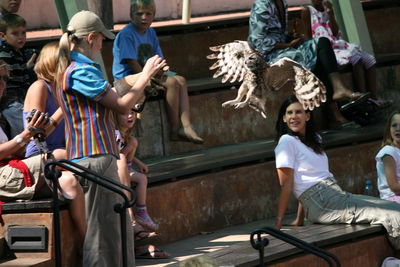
column 89, row 125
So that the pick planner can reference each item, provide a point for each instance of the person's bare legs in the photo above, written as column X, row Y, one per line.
column 172, row 103
column 73, row 189
column 359, row 77
column 336, row 115
column 340, row 91
column 187, row 128
column 370, row 80
column 178, row 109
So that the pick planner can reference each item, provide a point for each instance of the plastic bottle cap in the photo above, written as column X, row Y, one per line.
column 368, row 182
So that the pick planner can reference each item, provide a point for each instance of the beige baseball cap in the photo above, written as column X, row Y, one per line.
column 85, row 22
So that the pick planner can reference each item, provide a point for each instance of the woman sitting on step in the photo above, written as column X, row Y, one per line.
column 303, row 169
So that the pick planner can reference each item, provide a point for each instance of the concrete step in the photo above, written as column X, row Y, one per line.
column 28, row 262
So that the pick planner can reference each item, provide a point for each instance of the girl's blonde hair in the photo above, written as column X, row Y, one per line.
column 46, row 64
column 387, row 136
column 121, row 90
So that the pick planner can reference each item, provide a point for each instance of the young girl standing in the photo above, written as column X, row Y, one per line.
column 87, row 101
column 303, row 169
column 388, row 160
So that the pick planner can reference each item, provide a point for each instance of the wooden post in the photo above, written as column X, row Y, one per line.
column 351, row 18
column 104, row 9
column 67, row 8
column 186, row 11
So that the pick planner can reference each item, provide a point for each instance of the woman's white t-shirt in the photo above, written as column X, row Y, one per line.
column 309, row 167
column 383, row 187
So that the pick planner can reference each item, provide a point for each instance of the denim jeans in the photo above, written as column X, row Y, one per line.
column 327, row 203
column 13, row 114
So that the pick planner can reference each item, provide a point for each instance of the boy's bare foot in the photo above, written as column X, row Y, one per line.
column 186, row 134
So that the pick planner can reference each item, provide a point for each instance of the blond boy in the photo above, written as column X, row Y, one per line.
column 132, row 47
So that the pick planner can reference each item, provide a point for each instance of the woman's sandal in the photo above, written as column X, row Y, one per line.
column 151, row 252
column 356, row 101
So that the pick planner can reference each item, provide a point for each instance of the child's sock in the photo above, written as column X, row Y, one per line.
column 143, row 217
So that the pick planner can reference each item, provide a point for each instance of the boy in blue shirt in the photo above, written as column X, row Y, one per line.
column 132, row 47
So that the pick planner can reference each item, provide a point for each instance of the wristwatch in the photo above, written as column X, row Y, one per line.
column 20, row 141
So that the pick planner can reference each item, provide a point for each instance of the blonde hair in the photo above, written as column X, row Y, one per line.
column 46, row 64
column 121, row 90
column 387, row 136
column 200, row 261
column 64, row 58
column 136, row 4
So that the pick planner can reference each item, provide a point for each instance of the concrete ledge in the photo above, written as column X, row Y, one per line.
column 231, row 156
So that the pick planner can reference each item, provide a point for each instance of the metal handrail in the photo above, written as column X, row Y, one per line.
column 261, row 243
column 53, row 174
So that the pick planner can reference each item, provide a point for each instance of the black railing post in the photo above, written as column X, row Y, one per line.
column 258, row 245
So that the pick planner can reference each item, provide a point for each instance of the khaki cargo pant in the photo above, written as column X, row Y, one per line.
column 102, row 246
column 327, row 203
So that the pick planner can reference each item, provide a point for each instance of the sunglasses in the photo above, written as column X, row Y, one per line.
column 4, row 78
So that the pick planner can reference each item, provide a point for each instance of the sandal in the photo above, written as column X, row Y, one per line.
column 144, row 237
column 381, row 103
column 151, row 252
column 362, row 98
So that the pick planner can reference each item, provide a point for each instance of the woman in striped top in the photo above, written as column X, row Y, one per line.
column 87, row 101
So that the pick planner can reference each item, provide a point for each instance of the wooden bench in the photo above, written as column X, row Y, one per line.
column 231, row 156
column 361, row 245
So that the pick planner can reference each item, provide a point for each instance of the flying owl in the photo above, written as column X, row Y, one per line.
column 237, row 61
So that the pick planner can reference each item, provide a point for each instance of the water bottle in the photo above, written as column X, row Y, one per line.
column 368, row 189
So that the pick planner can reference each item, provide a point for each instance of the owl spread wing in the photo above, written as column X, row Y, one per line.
column 237, row 61
column 230, row 62
column 309, row 90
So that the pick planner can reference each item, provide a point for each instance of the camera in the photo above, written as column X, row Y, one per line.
column 32, row 113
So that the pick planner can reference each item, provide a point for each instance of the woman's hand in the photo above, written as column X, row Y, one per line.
column 37, row 124
column 154, row 65
column 295, row 42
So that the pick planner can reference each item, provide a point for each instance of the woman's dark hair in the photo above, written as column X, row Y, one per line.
column 311, row 139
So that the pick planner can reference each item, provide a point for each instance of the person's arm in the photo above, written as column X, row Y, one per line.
column 306, row 23
column 142, row 167
column 36, row 97
column 332, row 20
column 15, row 145
column 390, row 170
column 285, row 176
column 55, row 119
column 125, row 103
column 293, row 43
